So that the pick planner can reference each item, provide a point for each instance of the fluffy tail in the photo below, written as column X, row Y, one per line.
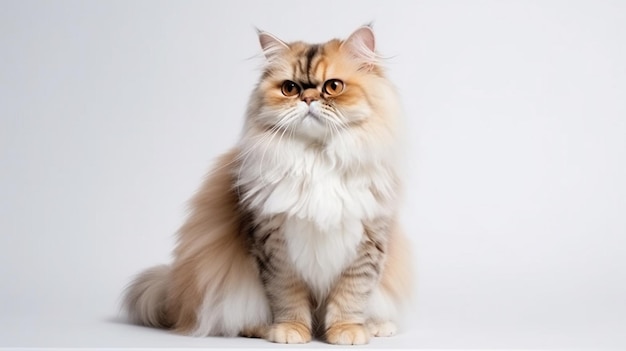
column 145, row 298
column 212, row 286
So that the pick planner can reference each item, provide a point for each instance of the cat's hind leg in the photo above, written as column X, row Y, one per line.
column 381, row 312
column 393, row 294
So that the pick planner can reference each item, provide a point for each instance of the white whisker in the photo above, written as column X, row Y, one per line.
column 283, row 123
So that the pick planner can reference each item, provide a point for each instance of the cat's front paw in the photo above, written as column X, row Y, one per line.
column 289, row 333
column 386, row 328
column 348, row 334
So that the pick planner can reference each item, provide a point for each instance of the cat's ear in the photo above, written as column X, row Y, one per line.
column 361, row 45
column 270, row 44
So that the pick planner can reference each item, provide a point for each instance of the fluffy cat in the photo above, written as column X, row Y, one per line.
column 294, row 233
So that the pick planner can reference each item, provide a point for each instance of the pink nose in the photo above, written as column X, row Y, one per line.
column 310, row 95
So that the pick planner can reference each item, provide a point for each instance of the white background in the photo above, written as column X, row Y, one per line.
column 111, row 112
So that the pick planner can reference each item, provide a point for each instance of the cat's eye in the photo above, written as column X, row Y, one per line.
column 333, row 87
column 290, row 88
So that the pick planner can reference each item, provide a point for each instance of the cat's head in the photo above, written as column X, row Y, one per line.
column 316, row 91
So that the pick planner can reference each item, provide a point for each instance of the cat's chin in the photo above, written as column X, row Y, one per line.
column 313, row 128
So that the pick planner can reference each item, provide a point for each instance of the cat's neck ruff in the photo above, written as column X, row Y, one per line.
column 322, row 183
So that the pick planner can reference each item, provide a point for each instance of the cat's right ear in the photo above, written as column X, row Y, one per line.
column 270, row 44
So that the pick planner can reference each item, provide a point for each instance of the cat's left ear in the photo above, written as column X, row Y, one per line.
column 270, row 44
column 361, row 45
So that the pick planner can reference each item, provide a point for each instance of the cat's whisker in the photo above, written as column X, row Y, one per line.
column 326, row 129
column 243, row 154
column 264, row 140
column 249, row 150
column 282, row 123
column 261, row 164
column 333, row 119
column 281, row 138
column 340, row 137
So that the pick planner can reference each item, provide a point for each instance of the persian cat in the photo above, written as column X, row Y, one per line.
column 294, row 232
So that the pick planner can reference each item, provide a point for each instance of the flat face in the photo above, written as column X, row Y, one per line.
column 315, row 90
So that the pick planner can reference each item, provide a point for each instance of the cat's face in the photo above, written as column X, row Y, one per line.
column 316, row 91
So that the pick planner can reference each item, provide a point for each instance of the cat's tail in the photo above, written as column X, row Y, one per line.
column 213, row 286
column 145, row 298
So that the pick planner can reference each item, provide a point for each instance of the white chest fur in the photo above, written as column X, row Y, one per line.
column 319, row 256
column 323, row 204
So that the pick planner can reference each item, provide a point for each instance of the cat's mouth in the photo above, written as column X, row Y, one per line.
column 311, row 122
column 311, row 115
column 312, row 125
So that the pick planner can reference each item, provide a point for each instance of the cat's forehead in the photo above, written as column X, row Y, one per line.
column 309, row 64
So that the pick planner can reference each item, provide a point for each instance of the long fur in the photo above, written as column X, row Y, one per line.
column 294, row 233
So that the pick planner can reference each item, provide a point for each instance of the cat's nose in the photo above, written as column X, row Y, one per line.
column 310, row 95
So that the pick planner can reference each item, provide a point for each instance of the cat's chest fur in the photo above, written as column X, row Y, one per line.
column 323, row 206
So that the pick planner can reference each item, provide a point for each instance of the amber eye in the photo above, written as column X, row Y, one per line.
column 333, row 87
column 290, row 88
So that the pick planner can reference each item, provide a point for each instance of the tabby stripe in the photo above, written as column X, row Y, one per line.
column 311, row 52
column 266, row 236
column 317, row 64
